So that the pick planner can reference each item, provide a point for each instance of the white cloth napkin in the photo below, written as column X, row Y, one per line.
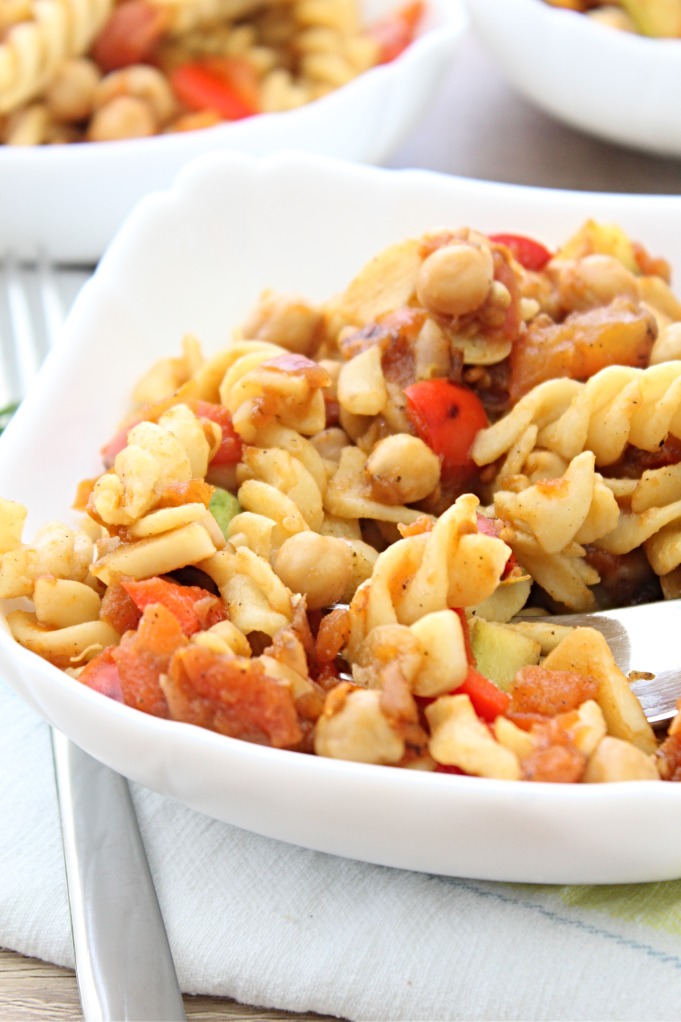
column 277, row 926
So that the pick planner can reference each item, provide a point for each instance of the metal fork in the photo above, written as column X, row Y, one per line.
column 124, row 965
column 644, row 642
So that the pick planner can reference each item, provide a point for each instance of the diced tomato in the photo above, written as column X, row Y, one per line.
column 447, row 416
column 211, row 86
column 229, row 451
column 397, row 30
column 195, row 608
column 231, row 695
column 143, row 657
column 540, row 690
column 240, row 74
column 531, row 254
column 101, row 674
column 489, row 702
column 130, row 36
column 119, row 609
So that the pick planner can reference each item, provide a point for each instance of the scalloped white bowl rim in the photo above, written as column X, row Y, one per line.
column 195, row 257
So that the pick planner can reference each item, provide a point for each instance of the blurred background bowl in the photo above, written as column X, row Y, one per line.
column 68, row 200
column 615, row 85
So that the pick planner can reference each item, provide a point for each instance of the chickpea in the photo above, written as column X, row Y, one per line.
column 70, row 95
column 123, row 117
column 330, row 442
column 383, row 645
column 287, row 321
column 356, row 729
column 318, row 566
column 402, row 469
column 596, row 280
column 143, row 82
column 455, row 279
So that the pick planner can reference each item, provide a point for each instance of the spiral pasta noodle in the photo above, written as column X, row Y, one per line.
column 429, row 572
column 617, row 406
column 103, row 70
column 33, row 49
column 258, row 374
column 550, row 433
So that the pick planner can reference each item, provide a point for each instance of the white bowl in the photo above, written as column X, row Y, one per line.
column 69, row 200
column 621, row 87
column 195, row 258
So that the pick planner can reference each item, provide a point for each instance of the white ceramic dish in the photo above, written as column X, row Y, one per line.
column 621, row 87
column 69, row 200
column 195, row 258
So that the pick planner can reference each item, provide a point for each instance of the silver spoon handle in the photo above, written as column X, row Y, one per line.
column 124, row 964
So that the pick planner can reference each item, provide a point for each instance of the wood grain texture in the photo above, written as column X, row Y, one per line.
column 35, row 991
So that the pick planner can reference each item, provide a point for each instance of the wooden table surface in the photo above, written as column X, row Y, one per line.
column 495, row 136
column 34, row 990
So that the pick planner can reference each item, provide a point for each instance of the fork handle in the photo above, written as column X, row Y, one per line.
column 124, row 965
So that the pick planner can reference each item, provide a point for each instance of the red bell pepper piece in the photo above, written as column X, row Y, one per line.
column 447, row 416
column 101, row 674
column 229, row 451
column 195, row 608
column 221, row 85
column 489, row 702
column 531, row 254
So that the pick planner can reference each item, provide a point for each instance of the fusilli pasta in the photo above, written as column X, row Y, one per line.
column 32, row 49
column 308, row 538
column 101, row 70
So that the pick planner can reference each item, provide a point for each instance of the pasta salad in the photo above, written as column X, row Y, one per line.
column 105, row 70
column 339, row 534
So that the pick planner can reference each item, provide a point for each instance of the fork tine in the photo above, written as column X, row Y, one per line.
column 9, row 384
column 32, row 312
column 52, row 304
column 26, row 336
column 29, row 342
